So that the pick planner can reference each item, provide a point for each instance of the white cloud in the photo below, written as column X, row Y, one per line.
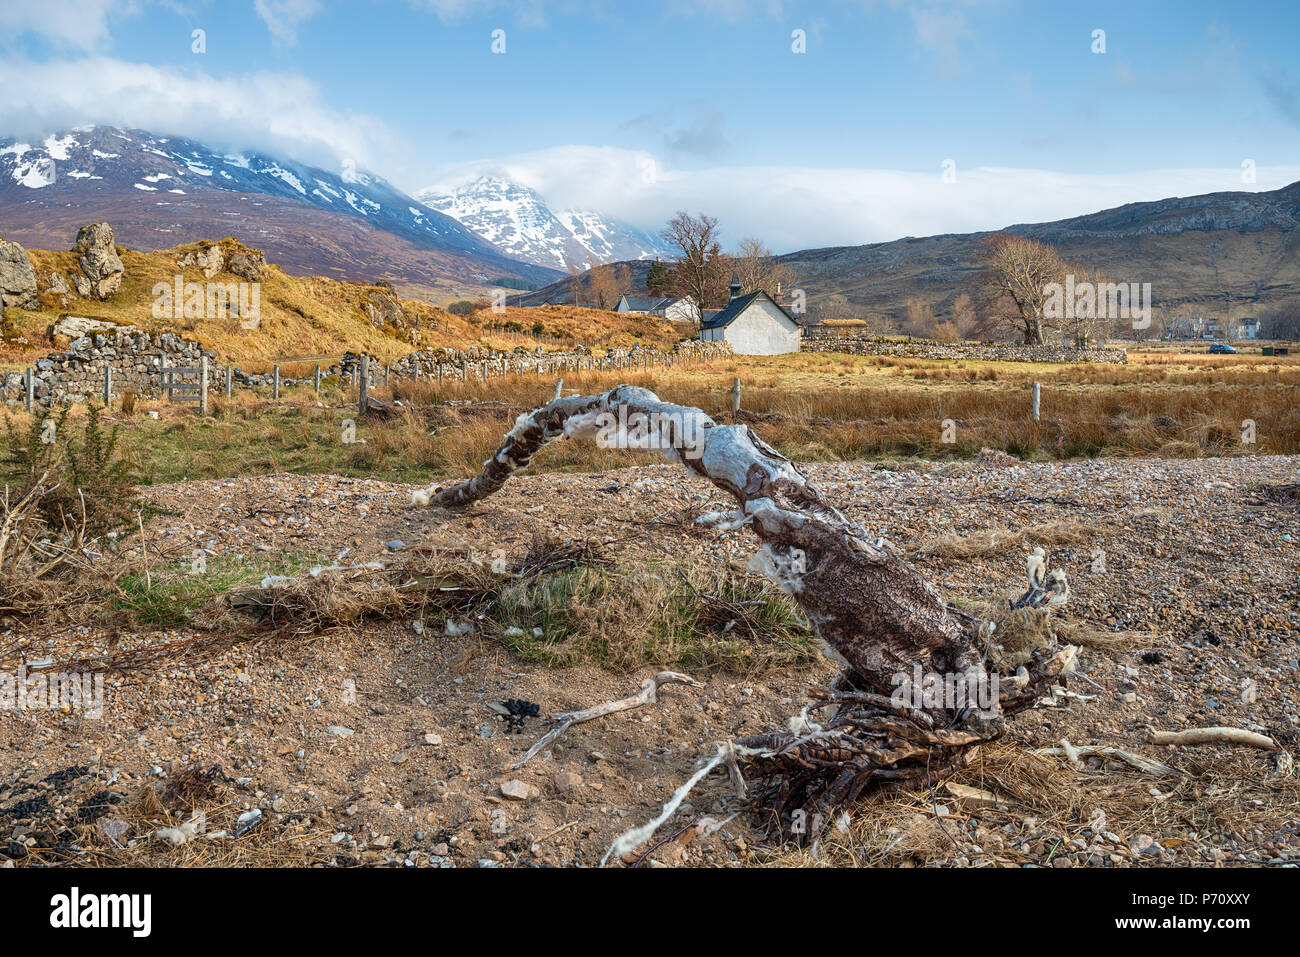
column 802, row 207
column 283, row 17
column 277, row 112
column 77, row 24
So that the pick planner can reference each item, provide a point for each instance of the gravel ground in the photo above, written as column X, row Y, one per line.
column 380, row 748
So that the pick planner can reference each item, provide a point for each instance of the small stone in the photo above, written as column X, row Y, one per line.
column 433, row 738
column 567, row 781
column 517, row 790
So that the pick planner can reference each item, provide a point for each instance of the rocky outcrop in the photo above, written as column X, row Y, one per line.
column 211, row 260
column 248, row 264
column 383, row 310
column 17, row 277
column 101, row 268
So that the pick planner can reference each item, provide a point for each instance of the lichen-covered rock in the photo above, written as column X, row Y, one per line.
column 17, row 277
column 248, row 264
column 209, row 259
column 101, row 267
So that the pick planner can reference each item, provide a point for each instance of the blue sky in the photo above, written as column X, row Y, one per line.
column 636, row 109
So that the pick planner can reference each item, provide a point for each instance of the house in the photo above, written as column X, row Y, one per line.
column 755, row 325
column 670, row 307
column 1249, row 327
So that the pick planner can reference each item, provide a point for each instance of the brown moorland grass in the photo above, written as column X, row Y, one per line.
column 812, row 407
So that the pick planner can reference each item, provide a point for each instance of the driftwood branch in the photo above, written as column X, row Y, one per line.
column 648, row 694
column 873, row 609
column 1215, row 736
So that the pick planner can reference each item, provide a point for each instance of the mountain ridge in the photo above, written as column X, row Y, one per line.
column 516, row 218
column 159, row 191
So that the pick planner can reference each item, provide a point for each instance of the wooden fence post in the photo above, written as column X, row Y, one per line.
column 108, row 387
column 316, row 379
column 363, row 385
column 735, row 397
column 203, row 385
column 1037, row 395
column 275, row 382
column 29, row 393
column 230, row 380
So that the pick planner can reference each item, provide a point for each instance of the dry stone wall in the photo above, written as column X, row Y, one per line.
column 926, row 349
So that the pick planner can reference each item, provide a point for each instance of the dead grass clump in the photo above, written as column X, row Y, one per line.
column 1288, row 494
column 992, row 541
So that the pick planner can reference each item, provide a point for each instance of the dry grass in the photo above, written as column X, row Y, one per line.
column 1210, row 797
column 998, row 539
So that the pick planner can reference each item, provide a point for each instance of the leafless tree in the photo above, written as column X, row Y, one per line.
column 758, row 269
column 1017, row 272
column 702, row 271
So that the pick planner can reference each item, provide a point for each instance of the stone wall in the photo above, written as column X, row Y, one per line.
column 475, row 363
column 136, row 358
column 988, row 351
column 77, row 373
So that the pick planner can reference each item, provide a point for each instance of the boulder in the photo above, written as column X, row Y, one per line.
column 101, row 267
column 17, row 277
column 248, row 264
column 211, row 260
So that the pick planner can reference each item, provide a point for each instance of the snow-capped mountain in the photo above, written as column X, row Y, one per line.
column 516, row 219
column 159, row 191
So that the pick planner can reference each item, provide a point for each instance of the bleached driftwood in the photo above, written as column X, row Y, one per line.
column 648, row 694
column 1215, row 735
column 1074, row 753
column 870, row 606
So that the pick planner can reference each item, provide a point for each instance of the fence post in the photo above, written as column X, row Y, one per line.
column 559, row 388
column 275, row 382
column 363, row 386
column 735, row 397
column 230, row 379
column 108, row 387
column 316, row 379
column 203, row 385
column 29, row 395
column 1037, row 395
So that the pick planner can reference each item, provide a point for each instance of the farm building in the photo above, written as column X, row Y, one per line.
column 755, row 325
column 670, row 307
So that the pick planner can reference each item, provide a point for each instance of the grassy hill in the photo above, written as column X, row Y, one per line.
column 314, row 316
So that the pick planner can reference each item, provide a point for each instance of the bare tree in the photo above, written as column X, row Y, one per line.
column 701, row 272
column 920, row 320
column 963, row 315
column 758, row 269
column 1017, row 272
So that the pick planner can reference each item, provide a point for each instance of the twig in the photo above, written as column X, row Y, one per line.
column 648, row 694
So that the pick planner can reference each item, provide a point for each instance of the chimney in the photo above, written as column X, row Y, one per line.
column 735, row 284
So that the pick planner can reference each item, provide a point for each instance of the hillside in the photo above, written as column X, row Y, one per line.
column 310, row 316
column 159, row 192
column 1203, row 255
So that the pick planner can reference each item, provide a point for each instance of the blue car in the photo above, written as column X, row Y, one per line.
column 1222, row 348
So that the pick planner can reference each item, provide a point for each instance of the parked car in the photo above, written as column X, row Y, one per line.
column 1222, row 348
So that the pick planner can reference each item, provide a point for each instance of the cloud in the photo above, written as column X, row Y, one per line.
column 804, row 207
column 280, row 113
column 283, row 17
column 66, row 24
column 703, row 135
